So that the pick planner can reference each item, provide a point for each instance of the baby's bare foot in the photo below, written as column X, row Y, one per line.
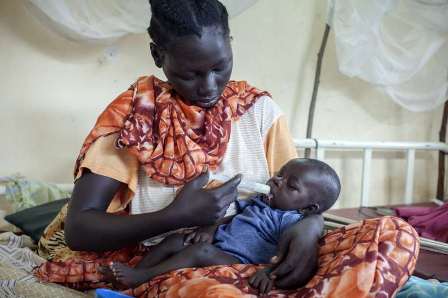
column 127, row 276
column 106, row 271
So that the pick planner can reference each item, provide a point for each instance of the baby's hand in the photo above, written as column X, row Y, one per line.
column 204, row 235
column 261, row 281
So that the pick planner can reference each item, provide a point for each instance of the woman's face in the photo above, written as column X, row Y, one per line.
column 198, row 68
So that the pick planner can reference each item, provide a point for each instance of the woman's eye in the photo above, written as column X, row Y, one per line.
column 187, row 78
column 222, row 68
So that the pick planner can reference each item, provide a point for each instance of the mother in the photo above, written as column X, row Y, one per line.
column 159, row 136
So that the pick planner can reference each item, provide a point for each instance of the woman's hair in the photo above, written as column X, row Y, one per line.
column 174, row 18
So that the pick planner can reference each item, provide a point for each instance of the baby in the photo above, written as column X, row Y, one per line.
column 301, row 187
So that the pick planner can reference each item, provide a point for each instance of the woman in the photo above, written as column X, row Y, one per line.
column 158, row 136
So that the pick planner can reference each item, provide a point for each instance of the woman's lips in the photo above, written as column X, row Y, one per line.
column 208, row 101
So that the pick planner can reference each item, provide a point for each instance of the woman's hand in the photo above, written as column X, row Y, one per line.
column 204, row 207
column 296, row 260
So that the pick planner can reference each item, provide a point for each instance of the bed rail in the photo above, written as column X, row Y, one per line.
column 322, row 146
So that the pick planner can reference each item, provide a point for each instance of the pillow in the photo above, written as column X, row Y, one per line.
column 6, row 207
column 34, row 220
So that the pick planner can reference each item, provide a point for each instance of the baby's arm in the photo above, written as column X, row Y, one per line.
column 205, row 234
column 262, row 281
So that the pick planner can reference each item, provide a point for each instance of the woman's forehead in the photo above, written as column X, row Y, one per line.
column 191, row 51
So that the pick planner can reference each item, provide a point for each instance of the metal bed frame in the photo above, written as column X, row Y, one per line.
column 410, row 148
column 322, row 146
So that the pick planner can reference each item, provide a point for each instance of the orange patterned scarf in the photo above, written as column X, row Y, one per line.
column 173, row 141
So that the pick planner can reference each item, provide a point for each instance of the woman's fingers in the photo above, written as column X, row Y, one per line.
column 227, row 187
column 212, row 204
column 198, row 182
column 225, row 201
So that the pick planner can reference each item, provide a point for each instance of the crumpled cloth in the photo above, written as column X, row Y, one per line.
column 429, row 222
column 423, row 288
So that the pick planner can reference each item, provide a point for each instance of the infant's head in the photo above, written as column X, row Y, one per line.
column 307, row 185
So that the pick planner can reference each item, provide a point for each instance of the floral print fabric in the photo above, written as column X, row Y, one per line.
column 373, row 258
column 173, row 141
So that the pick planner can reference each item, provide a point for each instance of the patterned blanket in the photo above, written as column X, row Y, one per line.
column 373, row 258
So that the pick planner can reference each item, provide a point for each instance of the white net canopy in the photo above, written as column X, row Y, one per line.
column 400, row 46
column 104, row 20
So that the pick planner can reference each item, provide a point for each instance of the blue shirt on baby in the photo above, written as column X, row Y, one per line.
column 253, row 234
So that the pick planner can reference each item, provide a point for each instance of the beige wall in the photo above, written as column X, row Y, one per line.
column 52, row 90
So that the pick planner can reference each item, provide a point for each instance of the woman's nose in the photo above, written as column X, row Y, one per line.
column 209, row 86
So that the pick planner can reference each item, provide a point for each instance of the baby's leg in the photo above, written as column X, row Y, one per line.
column 169, row 246
column 158, row 253
column 196, row 255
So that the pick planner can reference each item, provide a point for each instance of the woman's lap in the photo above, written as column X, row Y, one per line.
column 373, row 258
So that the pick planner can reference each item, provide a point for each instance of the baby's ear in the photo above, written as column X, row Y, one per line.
column 310, row 209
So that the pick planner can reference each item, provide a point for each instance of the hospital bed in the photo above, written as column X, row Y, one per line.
column 433, row 259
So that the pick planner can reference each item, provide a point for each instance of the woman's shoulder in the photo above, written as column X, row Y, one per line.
column 264, row 100
column 264, row 112
column 105, row 159
column 268, row 108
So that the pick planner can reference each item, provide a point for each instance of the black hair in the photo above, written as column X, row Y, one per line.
column 329, row 186
column 175, row 18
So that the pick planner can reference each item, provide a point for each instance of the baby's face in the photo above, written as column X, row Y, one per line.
column 291, row 187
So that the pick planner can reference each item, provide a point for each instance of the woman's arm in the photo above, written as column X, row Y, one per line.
column 296, row 260
column 89, row 227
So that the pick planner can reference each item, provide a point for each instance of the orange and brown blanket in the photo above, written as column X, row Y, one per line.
column 373, row 258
